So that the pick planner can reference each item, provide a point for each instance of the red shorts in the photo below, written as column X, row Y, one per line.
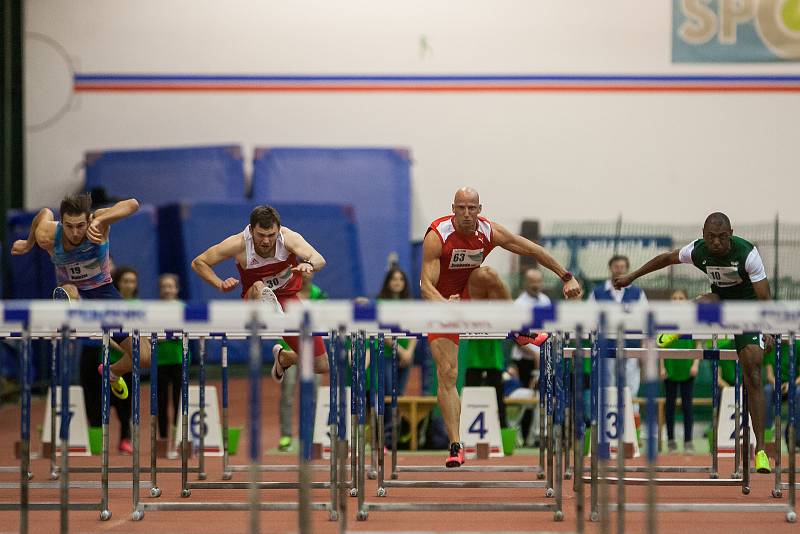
column 464, row 295
column 451, row 337
column 319, row 345
column 294, row 341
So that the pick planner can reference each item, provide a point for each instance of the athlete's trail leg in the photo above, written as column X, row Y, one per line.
column 485, row 284
column 445, row 354
column 751, row 358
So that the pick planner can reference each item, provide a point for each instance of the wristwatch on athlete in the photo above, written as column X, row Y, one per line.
column 309, row 262
column 566, row 277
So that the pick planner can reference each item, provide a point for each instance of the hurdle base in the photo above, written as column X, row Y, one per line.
column 465, row 484
column 261, row 485
column 706, row 507
column 229, row 506
column 630, row 481
column 468, row 468
column 7, row 507
column 461, row 507
column 76, row 484
column 143, row 470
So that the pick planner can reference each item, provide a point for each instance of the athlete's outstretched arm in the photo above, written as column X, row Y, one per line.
column 105, row 217
column 762, row 289
column 665, row 259
column 431, row 250
column 754, row 266
column 40, row 234
column 297, row 244
column 517, row 244
column 763, row 293
column 203, row 264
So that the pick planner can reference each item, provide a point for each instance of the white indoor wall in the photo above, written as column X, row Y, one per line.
column 553, row 156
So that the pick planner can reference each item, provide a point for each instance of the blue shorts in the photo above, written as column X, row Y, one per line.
column 104, row 292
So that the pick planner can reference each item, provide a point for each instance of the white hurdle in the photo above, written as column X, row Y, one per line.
column 479, row 319
column 27, row 320
column 686, row 318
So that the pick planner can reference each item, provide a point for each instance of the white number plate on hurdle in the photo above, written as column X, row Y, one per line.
column 612, row 423
column 734, row 317
column 454, row 317
column 760, row 317
column 324, row 315
column 727, row 423
column 6, row 324
column 235, row 316
column 568, row 314
column 480, row 422
column 78, row 426
column 212, row 441
column 94, row 314
column 322, row 433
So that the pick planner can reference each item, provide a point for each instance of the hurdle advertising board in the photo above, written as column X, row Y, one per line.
column 321, row 429
column 726, row 426
column 78, row 425
column 212, row 440
column 480, row 422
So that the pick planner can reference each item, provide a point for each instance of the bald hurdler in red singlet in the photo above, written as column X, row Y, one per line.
column 271, row 260
column 452, row 253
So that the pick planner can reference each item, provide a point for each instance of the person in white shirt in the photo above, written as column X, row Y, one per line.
column 619, row 266
column 526, row 357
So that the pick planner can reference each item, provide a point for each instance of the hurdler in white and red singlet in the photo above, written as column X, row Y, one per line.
column 276, row 273
column 461, row 254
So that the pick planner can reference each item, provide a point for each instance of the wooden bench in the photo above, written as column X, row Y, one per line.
column 415, row 408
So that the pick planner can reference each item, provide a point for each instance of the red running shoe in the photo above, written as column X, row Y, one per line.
column 537, row 339
column 125, row 447
column 456, row 458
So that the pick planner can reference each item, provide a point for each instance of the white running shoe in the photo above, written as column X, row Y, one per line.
column 268, row 297
column 277, row 368
column 59, row 293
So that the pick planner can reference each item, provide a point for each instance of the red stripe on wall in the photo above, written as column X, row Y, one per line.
column 583, row 88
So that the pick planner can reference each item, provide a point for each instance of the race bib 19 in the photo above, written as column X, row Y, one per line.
column 84, row 270
column 462, row 258
column 723, row 276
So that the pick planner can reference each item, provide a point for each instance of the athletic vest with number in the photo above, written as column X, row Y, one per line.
column 461, row 254
column 727, row 275
column 85, row 266
column 276, row 272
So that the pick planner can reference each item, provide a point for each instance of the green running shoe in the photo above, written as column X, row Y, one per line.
column 762, row 463
column 665, row 340
column 118, row 386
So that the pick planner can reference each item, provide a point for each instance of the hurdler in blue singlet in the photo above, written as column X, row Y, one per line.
column 86, row 266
